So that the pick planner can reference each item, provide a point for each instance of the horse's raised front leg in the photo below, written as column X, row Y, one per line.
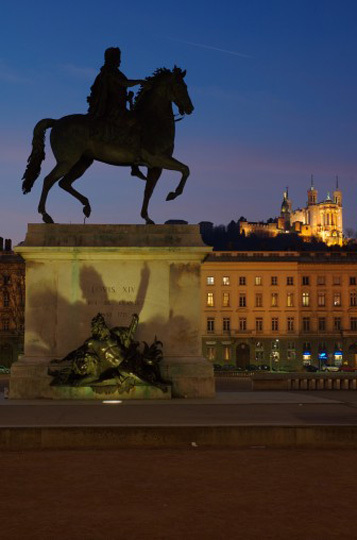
column 185, row 174
column 154, row 174
column 76, row 172
column 60, row 170
column 172, row 164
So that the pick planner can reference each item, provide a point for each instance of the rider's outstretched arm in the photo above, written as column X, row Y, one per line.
column 133, row 82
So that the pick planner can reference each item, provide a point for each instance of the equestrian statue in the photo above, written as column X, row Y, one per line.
column 142, row 135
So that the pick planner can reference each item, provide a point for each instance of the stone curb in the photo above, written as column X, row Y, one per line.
column 118, row 437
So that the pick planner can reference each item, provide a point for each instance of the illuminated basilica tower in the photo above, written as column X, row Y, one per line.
column 321, row 219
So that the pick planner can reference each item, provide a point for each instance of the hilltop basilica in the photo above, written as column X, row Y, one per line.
column 322, row 220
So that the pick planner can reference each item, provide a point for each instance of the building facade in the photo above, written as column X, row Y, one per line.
column 321, row 220
column 12, row 302
column 280, row 309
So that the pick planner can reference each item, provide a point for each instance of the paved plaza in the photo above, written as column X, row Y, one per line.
column 188, row 490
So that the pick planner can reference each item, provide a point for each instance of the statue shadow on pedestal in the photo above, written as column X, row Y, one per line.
column 65, row 325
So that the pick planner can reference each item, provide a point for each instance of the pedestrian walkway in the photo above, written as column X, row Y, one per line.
column 276, row 419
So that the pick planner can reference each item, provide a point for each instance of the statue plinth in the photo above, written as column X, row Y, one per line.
column 75, row 271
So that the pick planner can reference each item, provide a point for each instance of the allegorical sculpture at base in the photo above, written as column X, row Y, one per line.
column 140, row 136
column 110, row 359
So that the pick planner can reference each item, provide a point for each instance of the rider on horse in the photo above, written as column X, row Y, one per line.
column 108, row 97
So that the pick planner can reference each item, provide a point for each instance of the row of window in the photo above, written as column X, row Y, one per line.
column 258, row 280
column 291, row 324
column 274, row 299
column 211, row 351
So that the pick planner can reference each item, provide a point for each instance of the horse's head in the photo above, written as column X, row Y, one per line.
column 170, row 85
column 178, row 91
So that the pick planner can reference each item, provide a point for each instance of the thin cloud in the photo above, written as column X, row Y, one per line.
column 210, row 47
column 79, row 71
column 10, row 75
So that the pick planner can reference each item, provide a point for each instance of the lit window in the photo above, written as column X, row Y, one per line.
column 337, row 299
column 225, row 299
column 226, row 280
column 274, row 299
column 258, row 280
column 291, row 352
column 259, row 351
column 211, row 353
column 210, row 299
column 290, row 299
column 305, row 299
column 210, row 280
column 227, row 353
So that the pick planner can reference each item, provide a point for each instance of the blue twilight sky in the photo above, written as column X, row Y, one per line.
column 273, row 82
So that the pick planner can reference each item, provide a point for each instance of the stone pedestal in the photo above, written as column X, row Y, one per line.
column 75, row 271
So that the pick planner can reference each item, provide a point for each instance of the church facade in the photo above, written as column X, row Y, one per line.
column 321, row 220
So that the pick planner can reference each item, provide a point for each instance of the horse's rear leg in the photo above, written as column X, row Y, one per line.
column 60, row 170
column 154, row 174
column 76, row 172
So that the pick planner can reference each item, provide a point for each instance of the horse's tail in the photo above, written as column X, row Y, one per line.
column 37, row 155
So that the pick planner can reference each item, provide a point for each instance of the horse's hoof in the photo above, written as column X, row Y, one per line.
column 171, row 196
column 87, row 210
column 150, row 222
column 135, row 171
column 46, row 218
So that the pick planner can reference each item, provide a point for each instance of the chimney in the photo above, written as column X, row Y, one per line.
column 1, row 243
column 8, row 244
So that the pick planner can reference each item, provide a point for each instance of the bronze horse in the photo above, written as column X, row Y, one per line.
column 146, row 138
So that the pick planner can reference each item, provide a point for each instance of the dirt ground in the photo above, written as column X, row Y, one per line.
column 196, row 493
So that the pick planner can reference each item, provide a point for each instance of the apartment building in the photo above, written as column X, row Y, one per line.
column 12, row 301
column 281, row 309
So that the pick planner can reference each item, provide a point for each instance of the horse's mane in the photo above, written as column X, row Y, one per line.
column 157, row 76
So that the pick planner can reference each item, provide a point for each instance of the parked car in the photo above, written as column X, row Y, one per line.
column 311, row 369
column 327, row 367
column 4, row 370
column 348, row 369
column 252, row 367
